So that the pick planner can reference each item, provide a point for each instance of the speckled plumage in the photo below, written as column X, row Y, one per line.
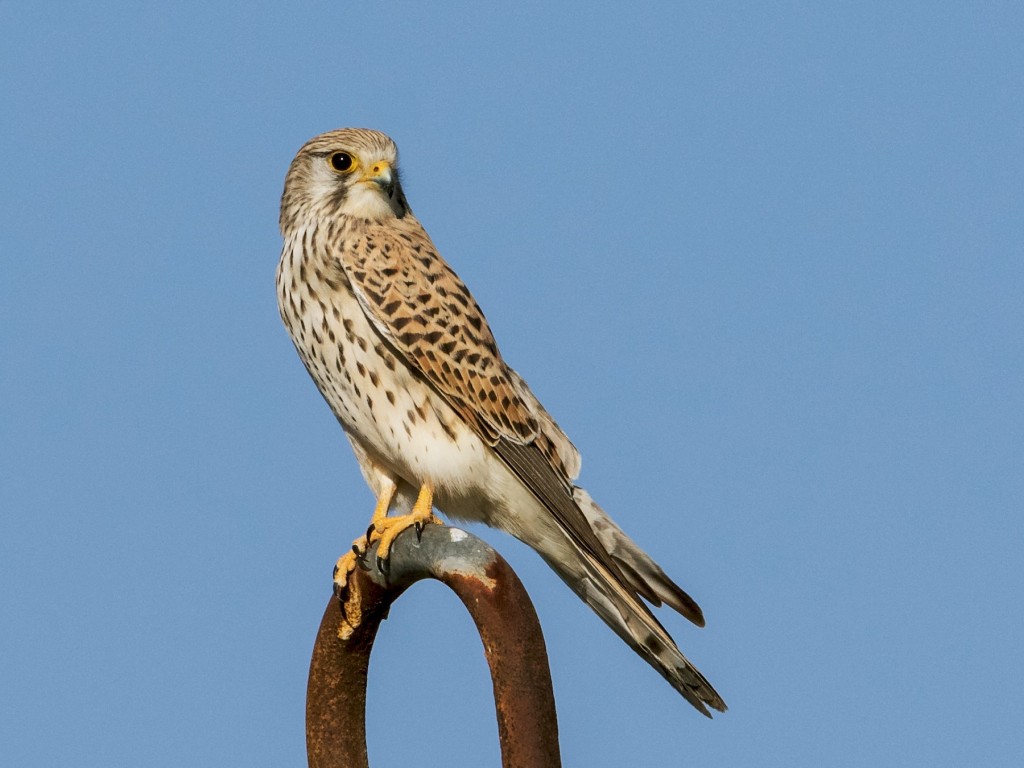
column 405, row 359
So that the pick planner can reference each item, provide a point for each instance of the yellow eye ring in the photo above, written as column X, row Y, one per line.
column 342, row 162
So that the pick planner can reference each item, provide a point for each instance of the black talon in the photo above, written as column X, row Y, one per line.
column 368, row 532
column 383, row 565
column 419, row 530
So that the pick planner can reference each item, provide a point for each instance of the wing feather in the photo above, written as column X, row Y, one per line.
column 418, row 303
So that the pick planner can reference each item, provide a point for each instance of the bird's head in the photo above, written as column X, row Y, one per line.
column 348, row 172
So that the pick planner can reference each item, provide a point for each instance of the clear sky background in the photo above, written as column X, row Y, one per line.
column 764, row 263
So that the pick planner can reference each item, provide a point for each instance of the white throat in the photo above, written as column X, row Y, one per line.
column 365, row 200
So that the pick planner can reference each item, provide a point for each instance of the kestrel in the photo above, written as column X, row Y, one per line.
column 405, row 359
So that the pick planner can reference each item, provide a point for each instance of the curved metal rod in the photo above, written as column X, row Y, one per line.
column 504, row 616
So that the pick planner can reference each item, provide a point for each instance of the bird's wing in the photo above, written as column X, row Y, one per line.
column 551, row 440
column 422, row 308
column 416, row 302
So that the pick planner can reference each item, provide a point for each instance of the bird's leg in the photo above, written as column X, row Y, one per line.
column 380, row 512
column 388, row 528
column 348, row 562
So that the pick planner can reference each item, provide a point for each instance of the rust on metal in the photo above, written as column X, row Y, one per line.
column 508, row 626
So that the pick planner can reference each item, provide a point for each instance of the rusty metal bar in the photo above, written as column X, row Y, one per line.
column 508, row 626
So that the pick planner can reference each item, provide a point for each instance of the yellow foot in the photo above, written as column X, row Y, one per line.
column 388, row 528
column 383, row 530
column 346, row 564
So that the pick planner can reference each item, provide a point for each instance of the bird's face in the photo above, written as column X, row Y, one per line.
column 350, row 172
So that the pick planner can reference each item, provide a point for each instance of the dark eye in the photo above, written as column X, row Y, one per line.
column 342, row 161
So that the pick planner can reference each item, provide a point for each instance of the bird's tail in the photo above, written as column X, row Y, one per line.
column 619, row 604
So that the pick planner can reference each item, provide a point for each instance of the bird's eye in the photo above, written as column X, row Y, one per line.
column 342, row 161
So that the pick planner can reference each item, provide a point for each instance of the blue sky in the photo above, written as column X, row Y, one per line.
column 763, row 264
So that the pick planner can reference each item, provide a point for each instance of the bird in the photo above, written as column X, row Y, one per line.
column 406, row 361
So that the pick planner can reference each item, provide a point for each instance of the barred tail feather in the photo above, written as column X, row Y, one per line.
column 643, row 574
column 621, row 609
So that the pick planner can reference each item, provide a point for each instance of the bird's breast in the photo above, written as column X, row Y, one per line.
column 400, row 420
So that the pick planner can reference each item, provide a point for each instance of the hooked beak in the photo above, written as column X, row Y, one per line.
column 381, row 174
